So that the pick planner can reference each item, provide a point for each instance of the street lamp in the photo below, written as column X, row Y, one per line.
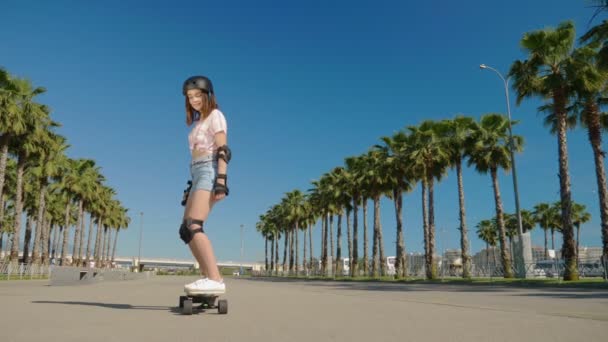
column 241, row 268
column 523, row 253
column 141, row 231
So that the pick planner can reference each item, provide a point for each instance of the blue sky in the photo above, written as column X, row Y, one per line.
column 302, row 86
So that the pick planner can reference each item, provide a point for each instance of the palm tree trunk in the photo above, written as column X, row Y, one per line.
column 506, row 260
column 66, row 233
column 271, row 254
column 14, row 256
column 349, row 237
column 400, row 244
column 571, row 270
column 77, row 233
column 114, row 247
column 354, row 262
column 578, row 235
column 365, row 239
column 285, row 247
column 331, row 244
column 338, row 264
column 265, row 253
column 376, row 239
column 2, row 204
column 56, row 242
column 81, row 242
column 425, row 223
column 39, row 219
column 383, row 263
column 297, row 255
column 310, row 241
column 109, row 238
column 297, row 249
column 46, row 241
column 546, row 244
column 97, row 249
column 464, row 240
column 291, row 250
column 3, row 161
column 89, row 238
column 26, row 241
column 595, row 138
column 431, row 268
column 325, row 245
column 276, row 255
column 304, row 267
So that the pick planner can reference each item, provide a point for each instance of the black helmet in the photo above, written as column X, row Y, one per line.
column 198, row 82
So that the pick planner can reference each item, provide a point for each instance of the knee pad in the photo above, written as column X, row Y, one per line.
column 186, row 233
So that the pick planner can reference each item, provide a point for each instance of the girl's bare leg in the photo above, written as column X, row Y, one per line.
column 198, row 207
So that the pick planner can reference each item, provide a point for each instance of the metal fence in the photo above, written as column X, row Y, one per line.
column 555, row 268
column 11, row 270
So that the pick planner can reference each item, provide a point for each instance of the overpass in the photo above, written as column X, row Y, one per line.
column 182, row 263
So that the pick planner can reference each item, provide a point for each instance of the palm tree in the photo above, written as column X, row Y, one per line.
column 544, row 74
column 580, row 216
column 25, row 146
column 294, row 202
column 489, row 153
column 12, row 123
column 590, row 87
column 542, row 216
column 377, row 184
column 399, row 177
column 487, row 232
column 354, row 166
column 51, row 156
column 457, row 133
column 428, row 157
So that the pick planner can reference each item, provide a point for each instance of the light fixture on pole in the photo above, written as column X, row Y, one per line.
column 241, row 268
column 523, row 253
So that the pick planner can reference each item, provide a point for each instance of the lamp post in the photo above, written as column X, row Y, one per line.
column 523, row 255
column 141, row 231
column 241, row 268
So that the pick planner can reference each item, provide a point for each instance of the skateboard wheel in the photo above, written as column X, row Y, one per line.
column 181, row 301
column 187, row 309
column 222, row 306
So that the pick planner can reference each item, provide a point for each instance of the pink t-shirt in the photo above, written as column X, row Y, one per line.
column 202, row 135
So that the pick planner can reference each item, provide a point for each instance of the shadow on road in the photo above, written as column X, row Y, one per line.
column 415, row 286
column 176, row 310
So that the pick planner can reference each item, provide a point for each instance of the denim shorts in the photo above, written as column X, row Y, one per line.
column 203, row 172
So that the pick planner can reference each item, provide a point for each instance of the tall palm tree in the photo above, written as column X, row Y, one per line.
column 580, row 216
column 542, row 216
column 544, row 74
column 429, row 159
column 25, row 146
column 399, row 179
column 354, row 166
column 590, row 86
column 377, row 184
column 489, row 153
column 488, row 232
column 53, row 147
column 457, row 133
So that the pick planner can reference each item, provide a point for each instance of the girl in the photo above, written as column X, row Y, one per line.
column 210, row 157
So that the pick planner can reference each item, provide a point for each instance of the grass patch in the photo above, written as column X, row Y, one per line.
column 589, row 283
column 26, row 277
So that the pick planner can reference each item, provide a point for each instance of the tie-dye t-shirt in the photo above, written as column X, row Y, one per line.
column 202, row 135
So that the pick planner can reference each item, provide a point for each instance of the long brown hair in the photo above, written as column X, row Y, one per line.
column 209, row 104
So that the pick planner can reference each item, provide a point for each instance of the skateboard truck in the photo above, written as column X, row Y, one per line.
column 207, row 301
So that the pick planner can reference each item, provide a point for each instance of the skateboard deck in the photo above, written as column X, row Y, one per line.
column 207, row 301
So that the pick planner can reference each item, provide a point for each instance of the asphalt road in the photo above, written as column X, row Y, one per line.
column 286, row 310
